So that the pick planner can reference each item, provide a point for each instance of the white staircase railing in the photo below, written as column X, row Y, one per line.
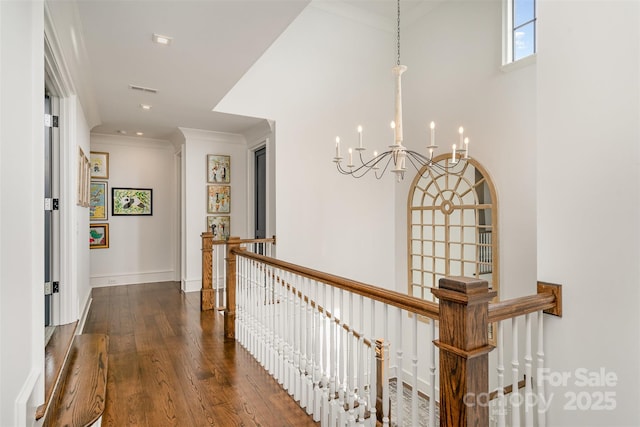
column 353, row 354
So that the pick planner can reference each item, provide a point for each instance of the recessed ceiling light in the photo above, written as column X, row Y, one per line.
column 122, row 132
column 139, row 133
column 163, row 40
column 145, row 106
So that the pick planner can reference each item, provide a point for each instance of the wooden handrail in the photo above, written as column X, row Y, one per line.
column 415, row 305
column 208, row 234
column 548, row 299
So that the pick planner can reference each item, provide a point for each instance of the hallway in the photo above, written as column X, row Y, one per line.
column 169, row 364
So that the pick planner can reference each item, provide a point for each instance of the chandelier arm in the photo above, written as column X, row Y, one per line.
column 450, row 169
column 385, row 154
column 416, row 160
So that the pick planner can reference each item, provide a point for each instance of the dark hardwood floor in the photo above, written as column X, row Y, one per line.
column 170, row 366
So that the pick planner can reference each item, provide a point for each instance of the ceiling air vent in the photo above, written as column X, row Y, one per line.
column 143, row 89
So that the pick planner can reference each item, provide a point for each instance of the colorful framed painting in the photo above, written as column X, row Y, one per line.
column 98, row 201
column 99, row 164
column 218, row 199
column 98, row 236
column 131, row 201
column 220, row 226
column 218, row 168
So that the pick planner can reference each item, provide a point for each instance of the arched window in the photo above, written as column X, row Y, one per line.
column 452, row 226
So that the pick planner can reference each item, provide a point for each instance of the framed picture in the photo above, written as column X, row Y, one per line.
column 218, row 168
column 218, row 198
column 99, row 165
column 83, row 179
column 98, row 201
column 98, row 236
column 131, row 201
column 86, row 183
column 220, row 226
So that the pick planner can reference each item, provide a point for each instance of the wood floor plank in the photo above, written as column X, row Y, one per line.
column 170, row 365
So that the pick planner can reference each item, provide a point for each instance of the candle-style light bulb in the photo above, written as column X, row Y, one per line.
column 466, row 147
column 461, row 132
column 453, row 155
column 375, row 165
column 359, row 136
column 350, row 157
column 432, row 126
column 337, row 146
column 393, row 127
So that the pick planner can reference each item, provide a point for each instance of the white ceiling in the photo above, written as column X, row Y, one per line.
column 214, row 43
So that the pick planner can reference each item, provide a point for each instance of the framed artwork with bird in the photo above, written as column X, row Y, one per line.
column 131, row 201
column 98, row 236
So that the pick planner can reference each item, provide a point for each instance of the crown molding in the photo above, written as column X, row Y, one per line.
column 213, row 136
column 66, row 57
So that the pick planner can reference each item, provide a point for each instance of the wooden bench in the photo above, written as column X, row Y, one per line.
column 79, row 397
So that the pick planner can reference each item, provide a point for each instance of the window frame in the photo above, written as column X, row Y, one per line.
column 438, row 230
column 509, row 30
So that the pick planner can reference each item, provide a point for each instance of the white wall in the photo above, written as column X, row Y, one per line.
column 588, row 199
column 21, row 211
column 323, row 77
column 197, row 144
column 141, row 248
column 455, row 79
column 568, row 209
column 76, row 284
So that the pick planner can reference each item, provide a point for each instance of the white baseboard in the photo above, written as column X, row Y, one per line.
column 26, row 402
column 83, row 315
column 132, row 278
column 191, row 285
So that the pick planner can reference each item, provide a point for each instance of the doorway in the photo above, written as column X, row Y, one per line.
column 51, row 213
column 260, row 202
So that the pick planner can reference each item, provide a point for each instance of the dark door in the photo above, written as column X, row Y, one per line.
column 261, row 193
column 48, row 212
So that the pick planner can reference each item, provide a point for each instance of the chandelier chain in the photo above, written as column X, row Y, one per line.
column 398, row 34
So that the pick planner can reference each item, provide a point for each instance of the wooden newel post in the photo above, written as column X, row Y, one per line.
column 206, row 293
column 464, row 351
column 230, row 311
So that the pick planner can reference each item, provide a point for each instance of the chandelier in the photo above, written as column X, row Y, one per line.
column 397, row 153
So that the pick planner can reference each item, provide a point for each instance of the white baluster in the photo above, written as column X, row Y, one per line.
column 263, row 309
column 502, row 413
column 399, row 370
column 318, row 359
column 515, row 364
column 373, row 368
column 223, row 284
column 542, row 397
column 250, row 294
column 280, row 327
column 302, row 382
column 385, row 369
column 291, row 336
column 361, row 364
column 528, row 392
column 270, row 316
column 296, row 344
column 414, row 391
column 432, row 375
